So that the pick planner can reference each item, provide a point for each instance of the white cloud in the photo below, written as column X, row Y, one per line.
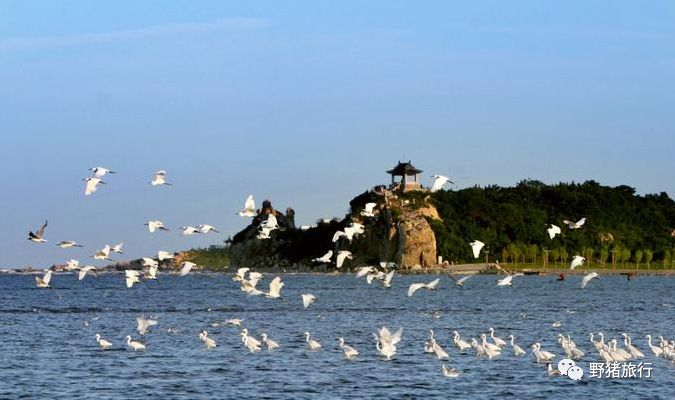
column 231, row 24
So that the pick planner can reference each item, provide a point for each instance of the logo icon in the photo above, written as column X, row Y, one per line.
column 567, row 367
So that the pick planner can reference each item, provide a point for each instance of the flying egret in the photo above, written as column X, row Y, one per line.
column 156, row 225
column 84, row 270
column 44, row 281
column 205, row 228
column 588, row 278
column 92, row 185
column 151, row 272
column 311, row 343
column 342, row 255
column 143, row 324
column 460, row 282
column 577, row 261
column 249, row 207
column 575, row 225
column 476, row 246
column 349, row 352
column 264, row 233
column 308, row 299
column 66, row 244
column 385, row 342
column 363, row 271
column 159, row 178
column 185, row 269
column 275, row 288
column 240, row 274
column 99, row 172
column 37, row 236
column 368, row 210
column 553, row 230
column 135, row 345
column 131, row 277
column 117, row 248
column 72, row 265
column 149, row 262
column 164, row 255
column 102, row 342
column 189, row 230
column 417, row 286
column 324, row 258
column 439, row 181
column 103, row 254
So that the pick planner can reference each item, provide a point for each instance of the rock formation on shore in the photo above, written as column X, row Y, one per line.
column 399, row 231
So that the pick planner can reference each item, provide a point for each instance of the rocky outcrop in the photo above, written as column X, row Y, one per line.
column 399, row 232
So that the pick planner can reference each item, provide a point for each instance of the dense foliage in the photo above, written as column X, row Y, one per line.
column 512, row 222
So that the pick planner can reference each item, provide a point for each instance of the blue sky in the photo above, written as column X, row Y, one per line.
column 308, row 103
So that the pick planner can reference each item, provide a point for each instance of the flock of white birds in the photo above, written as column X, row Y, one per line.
column 489, row 345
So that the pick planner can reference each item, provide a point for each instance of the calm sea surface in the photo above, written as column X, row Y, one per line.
column 48, row 350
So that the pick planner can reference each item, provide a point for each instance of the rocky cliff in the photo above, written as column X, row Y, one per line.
column 398, row 231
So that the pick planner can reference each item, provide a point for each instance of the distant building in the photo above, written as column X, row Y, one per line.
column 405, row 177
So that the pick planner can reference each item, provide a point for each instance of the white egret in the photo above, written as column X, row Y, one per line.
column 164, row 255
column 186, row 267
column 44, row 281
column 308, row 299
column 208, row 342
column 342, row 255
column 249, row 208
column 117, row 248
column 72, row 265
column 135, row 345
column 476, row 247
column 577, row 261
column 450, row 372
column 498, row 341
column 37, row 235
column 100, row 172
column 143, row 324
column 271, row 344
column 205, row 228
column 363, row 271
column 103, row 254
column 439, row 181
column 159, row 178
column 66, row 244
column 311, row 343
column 131, row 277
column 149, row 262
column 275, row 288
column 517, row 350
column 553, row 230
column 417, row 286
column 460, row 282
column 240, row 274
column 92, row 185
column 156, row 225
column 575, row 225
column 189, row 230
column 461, row 344
column 349, row 352
column 84, row 270
column 102, row 342
column 368, row 210
column 586, row 279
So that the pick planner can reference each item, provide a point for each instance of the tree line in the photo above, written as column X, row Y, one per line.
column 621, row 226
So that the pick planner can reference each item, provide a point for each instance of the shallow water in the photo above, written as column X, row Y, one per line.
column 48, row 351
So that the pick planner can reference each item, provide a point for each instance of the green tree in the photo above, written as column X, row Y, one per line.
column 563, row 255
column 649, row 255
column 588, row 252
column 626, row 255
column 532, row 253
column 555, row 254
column 504, row 254
column 637, row 256
column 667, row 257
column 604, row 254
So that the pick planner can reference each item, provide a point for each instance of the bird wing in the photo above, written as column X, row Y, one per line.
column 581, row 222
column 389, row 277
column 341, row 258
column 47, row 278
column 415, row 287
column 370, row 207
column 463, row 279
column 307, row 299
column 91, row 186
column 438, row 183
column 117, row 248
column 41, row 231
column 163, row 255
column 187, row 266
column 249, row 204
column 432, row 285
column 476, row 246
column 363, row 271
column 337, row 235
column 242, row 271
column 275, row 286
